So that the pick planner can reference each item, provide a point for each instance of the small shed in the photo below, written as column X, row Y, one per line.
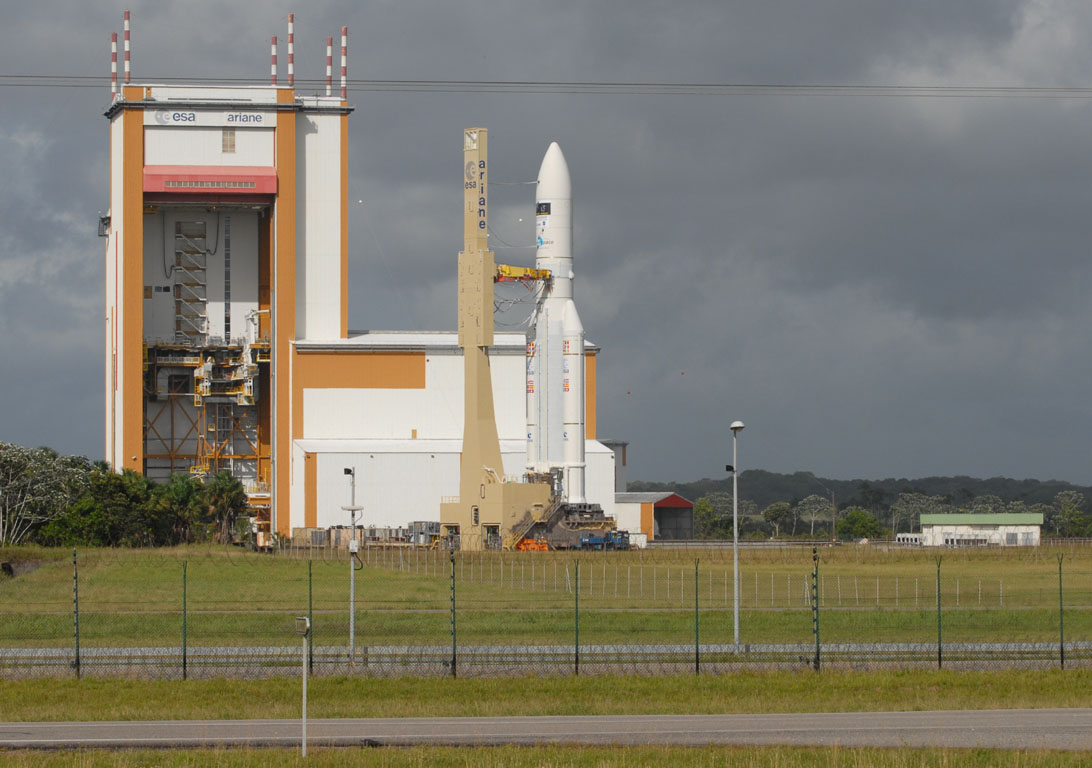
column 659, row 515
column 1006, row 529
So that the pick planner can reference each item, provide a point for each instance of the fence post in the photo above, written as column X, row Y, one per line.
column 76, row 611
column 697, row 646
column 311, row 621
column 815, row 601
column 576, row 621
column 184, row 647
column 940, row 645
column 1061, row 617
column 454, row 657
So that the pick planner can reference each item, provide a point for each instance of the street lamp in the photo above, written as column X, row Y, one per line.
column 736, row 426
column 352, row 509
column 303, row 629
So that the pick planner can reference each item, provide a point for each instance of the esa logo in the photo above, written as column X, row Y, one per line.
column 163, row 117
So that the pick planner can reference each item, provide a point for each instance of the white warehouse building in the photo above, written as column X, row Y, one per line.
column 970, row 530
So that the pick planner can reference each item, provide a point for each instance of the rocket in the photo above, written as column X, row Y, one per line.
column 555, row 348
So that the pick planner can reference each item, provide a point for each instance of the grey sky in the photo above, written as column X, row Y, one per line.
column 877, row 286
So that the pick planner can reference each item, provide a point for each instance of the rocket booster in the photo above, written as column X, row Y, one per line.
column 555, row 350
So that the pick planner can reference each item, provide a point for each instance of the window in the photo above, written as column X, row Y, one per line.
column 227, row 140
column 1010, row 539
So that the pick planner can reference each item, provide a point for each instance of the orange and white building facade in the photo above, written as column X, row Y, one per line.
column 227, row 241
column 226, row 325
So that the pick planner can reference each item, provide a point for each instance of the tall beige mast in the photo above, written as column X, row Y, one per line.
column 481, row 457
column 488, row 506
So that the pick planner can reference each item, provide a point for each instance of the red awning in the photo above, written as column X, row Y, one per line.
column 675, row 501
column 218, row 179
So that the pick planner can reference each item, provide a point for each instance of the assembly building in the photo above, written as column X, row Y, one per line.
column 226, row 325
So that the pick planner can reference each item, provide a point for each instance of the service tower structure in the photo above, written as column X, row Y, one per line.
column 489, row 504
column 226, row 245
column 555, row 349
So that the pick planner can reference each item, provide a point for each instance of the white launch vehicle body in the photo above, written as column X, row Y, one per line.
column 555, row 349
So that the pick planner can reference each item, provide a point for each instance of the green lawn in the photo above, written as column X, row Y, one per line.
column 90, row 699
column 233, row 597
column 123, row 699
column 551, row 757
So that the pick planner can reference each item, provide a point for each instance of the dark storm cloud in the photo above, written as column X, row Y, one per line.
column 877, row 286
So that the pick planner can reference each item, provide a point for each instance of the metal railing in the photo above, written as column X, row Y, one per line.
column 427, row 612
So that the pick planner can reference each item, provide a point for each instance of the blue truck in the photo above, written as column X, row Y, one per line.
column 605, row 540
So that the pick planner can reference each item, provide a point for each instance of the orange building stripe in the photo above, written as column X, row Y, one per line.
column 360, row 369
column 132, row 287
column 310, row 490
column 353, row 370
column 284, row 307
column 648, row 527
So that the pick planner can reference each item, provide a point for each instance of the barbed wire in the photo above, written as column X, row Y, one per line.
column 639, row 88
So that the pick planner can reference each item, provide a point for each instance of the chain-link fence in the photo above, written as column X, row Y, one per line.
column 428, row 612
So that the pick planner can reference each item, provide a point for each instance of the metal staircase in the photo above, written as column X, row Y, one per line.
column 191, row 320
column 524, row 526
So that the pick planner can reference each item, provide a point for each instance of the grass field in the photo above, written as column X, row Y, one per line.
column 746, row 692
column 41, row 700
column 135, row 597
column 234, row 597
column 549, row 757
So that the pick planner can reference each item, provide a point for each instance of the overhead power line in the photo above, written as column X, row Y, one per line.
column 640, row 88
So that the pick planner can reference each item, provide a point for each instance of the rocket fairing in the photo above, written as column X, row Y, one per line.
column 555, row 349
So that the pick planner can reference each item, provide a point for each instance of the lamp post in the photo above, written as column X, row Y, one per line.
column 736, row 426
column 352, row 509
column 303, row 629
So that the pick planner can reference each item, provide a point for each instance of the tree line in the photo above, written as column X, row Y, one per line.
column 55, row 500
column 764, row 488
column 1066, row 515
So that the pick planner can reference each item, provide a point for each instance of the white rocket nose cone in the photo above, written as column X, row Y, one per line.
column 553, row 175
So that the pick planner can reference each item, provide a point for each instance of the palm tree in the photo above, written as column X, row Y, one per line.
column 227, row 501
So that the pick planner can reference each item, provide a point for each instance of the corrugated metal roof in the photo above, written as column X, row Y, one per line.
column 642, row 498
column 417, row 340
column 422, row 340
column 1000, row 518
column 398, row 446
column 454, row 445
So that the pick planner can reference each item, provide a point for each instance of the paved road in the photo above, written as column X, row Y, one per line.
column 1069, row 729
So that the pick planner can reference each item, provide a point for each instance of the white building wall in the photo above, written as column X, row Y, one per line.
column 318, row 226
column 395, row 483
column 599, row 476
column 627, row 515
column 114, row 417
column 436, row 411
column 387, row 499
column 173, row 145
column 401, row 479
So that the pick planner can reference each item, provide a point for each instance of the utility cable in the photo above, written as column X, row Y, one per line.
column 505, row 243
column 641, row 88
